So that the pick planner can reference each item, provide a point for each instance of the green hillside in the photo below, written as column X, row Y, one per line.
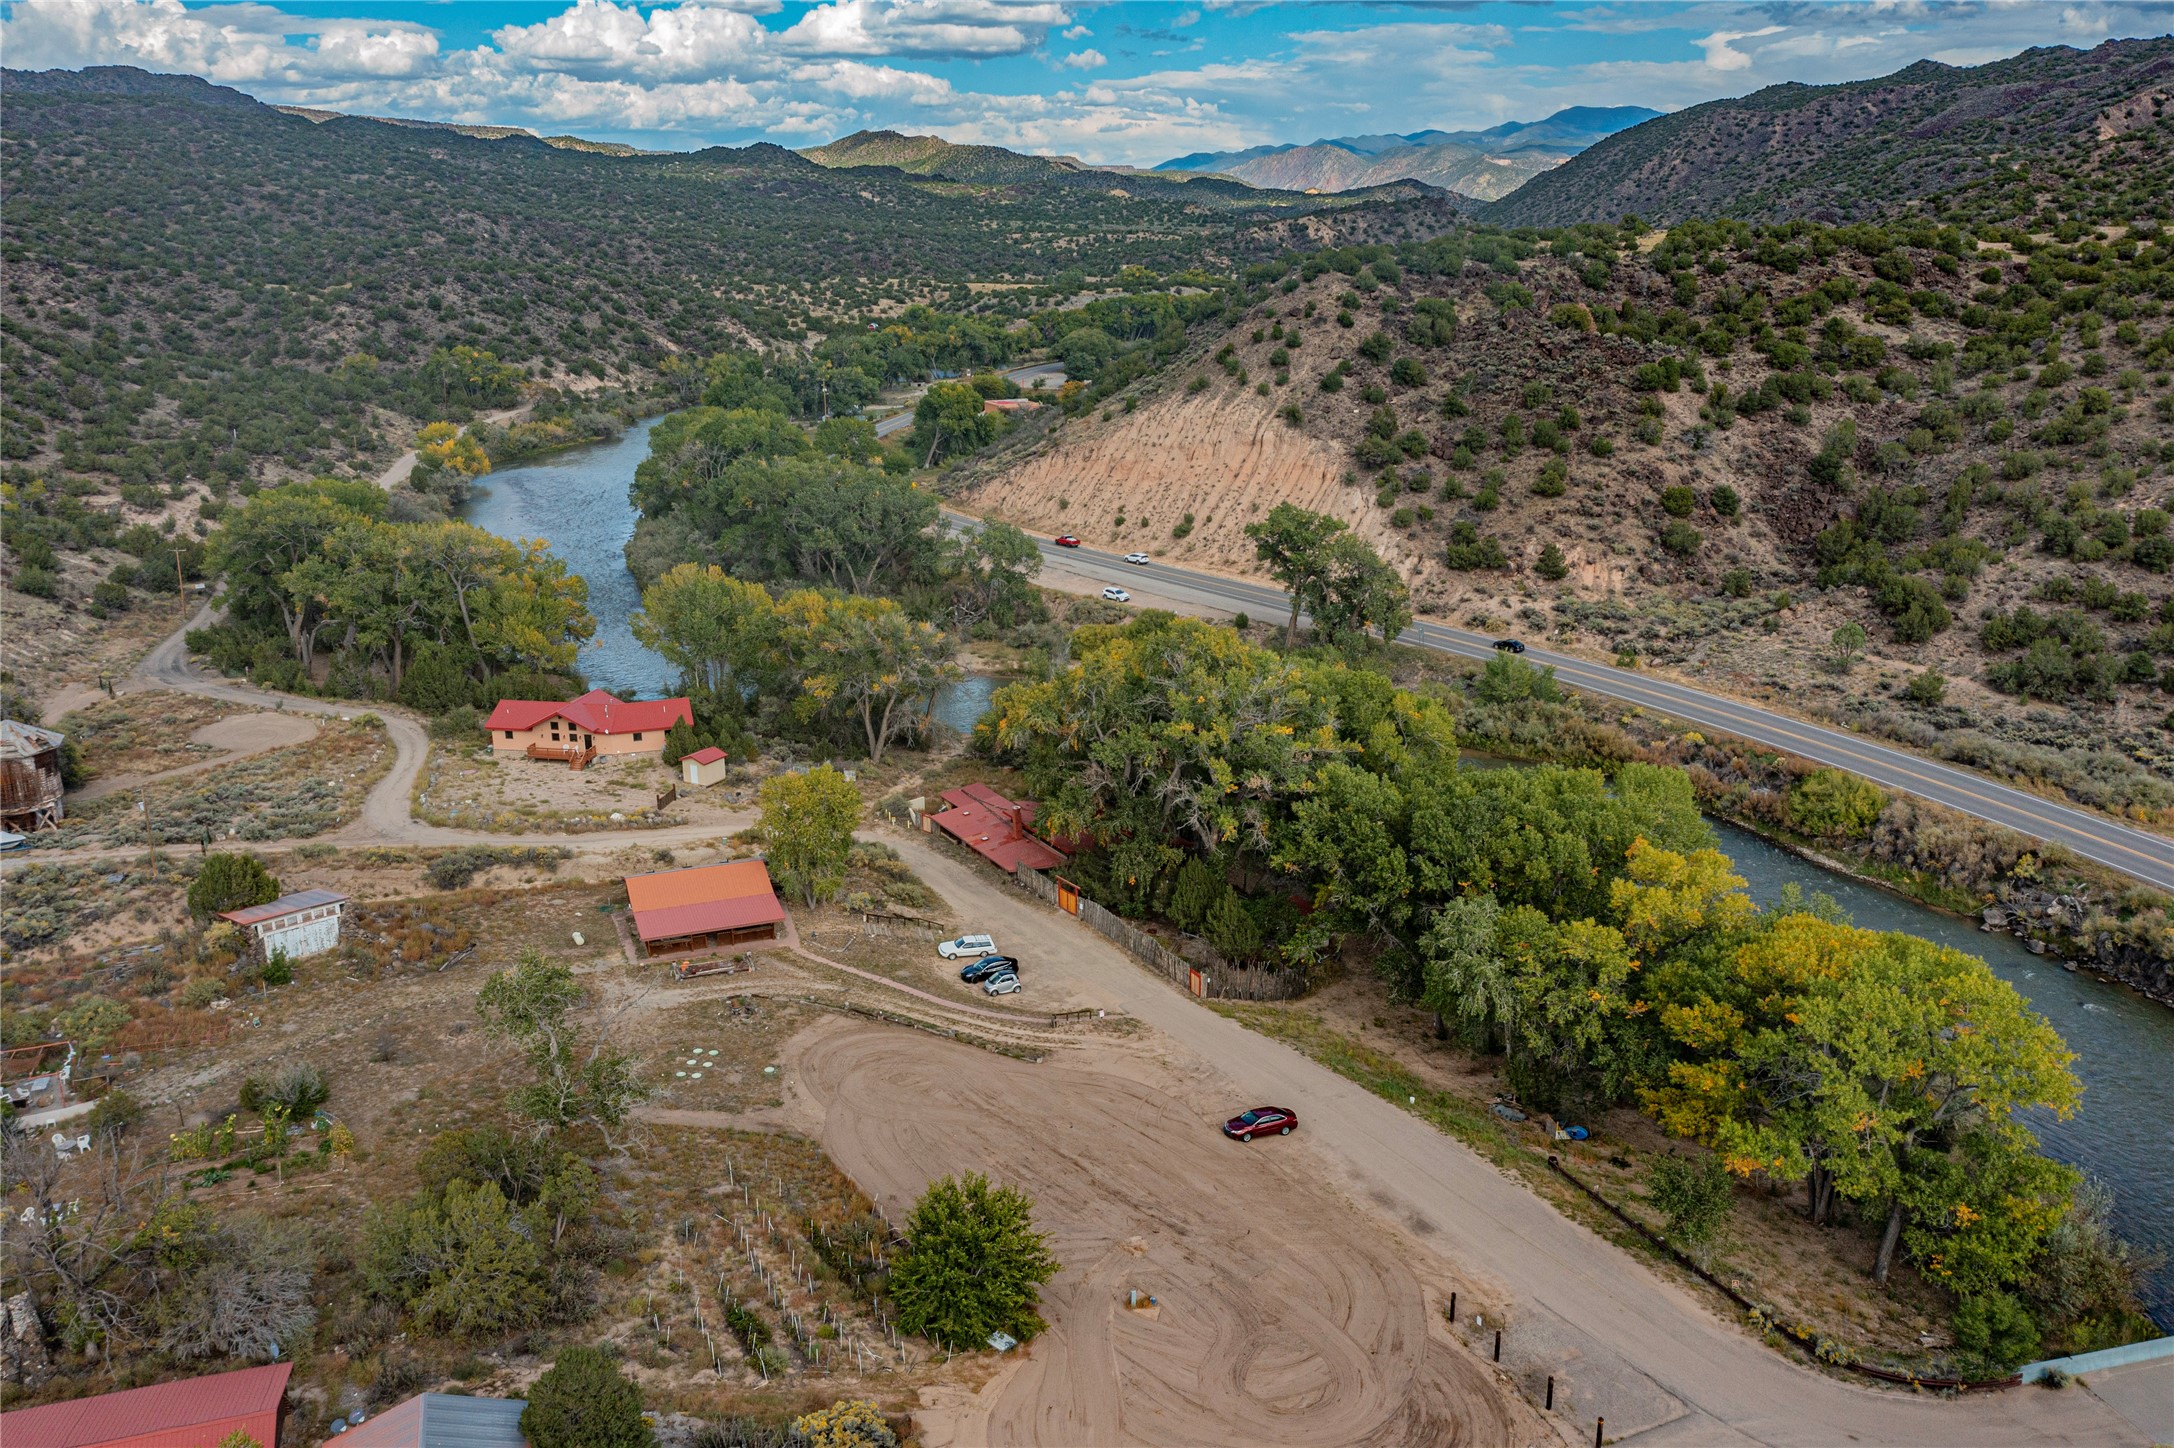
column 199, row 284
column 2091, row 121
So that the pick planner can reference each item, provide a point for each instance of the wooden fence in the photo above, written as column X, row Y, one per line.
column 1229, row 982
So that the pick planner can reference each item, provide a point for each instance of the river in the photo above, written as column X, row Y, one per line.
column 2123, row 1133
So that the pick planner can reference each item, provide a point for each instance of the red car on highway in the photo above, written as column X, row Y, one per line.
column 1260, row 1121
column 1066, row 540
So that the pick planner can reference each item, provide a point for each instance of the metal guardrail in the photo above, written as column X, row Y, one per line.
column 2127, row 1355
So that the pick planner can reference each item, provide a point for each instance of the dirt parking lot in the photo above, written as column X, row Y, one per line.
column 1283, row 1314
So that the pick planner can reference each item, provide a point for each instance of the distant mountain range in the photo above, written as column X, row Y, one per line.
column 1866, row 148
column 480, row 133
column 1484, row 165
column 942, row 160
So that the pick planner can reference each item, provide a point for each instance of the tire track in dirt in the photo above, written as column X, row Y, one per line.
column 1284, row 1316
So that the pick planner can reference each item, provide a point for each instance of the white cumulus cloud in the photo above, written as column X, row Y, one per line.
column 1089, row 59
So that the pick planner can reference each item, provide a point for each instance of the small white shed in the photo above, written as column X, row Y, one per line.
column 704, row 767
column 304, row 923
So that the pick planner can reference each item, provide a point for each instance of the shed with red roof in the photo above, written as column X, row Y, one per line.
column 706, row 906
column 187, row 1413
column 704, row 767
column 596, row 723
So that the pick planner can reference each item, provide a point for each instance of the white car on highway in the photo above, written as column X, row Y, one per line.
column 966, row 945
column 1116, row 595
column 1137, row 559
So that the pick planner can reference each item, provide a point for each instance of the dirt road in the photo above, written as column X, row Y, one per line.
column 396, row 472
column 1655, row 1360
column 385, row 817
column 1279, row 1318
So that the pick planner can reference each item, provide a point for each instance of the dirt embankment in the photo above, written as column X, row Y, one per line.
column 1223, row 456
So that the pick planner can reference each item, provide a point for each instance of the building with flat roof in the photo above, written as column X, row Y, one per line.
column 709, row 905
column 186, row 1413
column 304, row 923
column 442, row 1420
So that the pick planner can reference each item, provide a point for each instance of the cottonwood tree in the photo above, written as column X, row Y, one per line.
column 1167, row 728
column 992, row 568
column 950, row 420
column 807, row 829
column 719, row 631
column 577, row 1076
column 869, row 658
column 1294, row 544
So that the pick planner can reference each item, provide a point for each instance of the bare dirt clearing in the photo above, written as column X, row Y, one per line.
column 1283, row 1317
column 235, row 737
column 468, row 786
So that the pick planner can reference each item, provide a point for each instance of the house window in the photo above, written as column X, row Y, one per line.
column 509, row 733
column 637, row 738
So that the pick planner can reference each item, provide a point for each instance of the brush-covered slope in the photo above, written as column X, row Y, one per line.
column 1864, row 148
column 1711, row 450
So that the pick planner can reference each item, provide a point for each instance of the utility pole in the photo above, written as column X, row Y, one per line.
column 181, row 584
column 150, row 842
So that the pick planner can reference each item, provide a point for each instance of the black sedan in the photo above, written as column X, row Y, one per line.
column 987, row 966
column 1510, row 646
column 1260, row 1121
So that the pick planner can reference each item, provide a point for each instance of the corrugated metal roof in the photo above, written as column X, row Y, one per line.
column 284, row 905
column 442, row 1420
column 661, row 889
column 997, row 829
column 597, row 712
column 706, row 756
column 675, row 921
column 20, row 740
column 190, row 1403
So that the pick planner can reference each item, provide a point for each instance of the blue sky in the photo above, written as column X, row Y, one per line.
column 1122, row 82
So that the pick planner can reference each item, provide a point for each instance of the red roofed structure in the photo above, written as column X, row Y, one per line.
column 580, row 729
column 188, row 1413
column 709, row 905
column 997, row 829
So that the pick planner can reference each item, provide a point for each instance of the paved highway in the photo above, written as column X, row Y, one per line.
column 2142, row 856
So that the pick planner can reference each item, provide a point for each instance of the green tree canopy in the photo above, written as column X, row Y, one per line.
column 949, row 420
column 807, row 829
column 973, row 1264
column 584, row 1401
column 230, row 882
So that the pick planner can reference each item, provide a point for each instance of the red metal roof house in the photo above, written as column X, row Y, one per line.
column 999, row 830
column 580, row 729
column 189, row 1413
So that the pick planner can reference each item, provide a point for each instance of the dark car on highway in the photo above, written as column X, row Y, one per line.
column 1261, row 1120
column 1066, row 540
column 987, row 966
column 1510, row 646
